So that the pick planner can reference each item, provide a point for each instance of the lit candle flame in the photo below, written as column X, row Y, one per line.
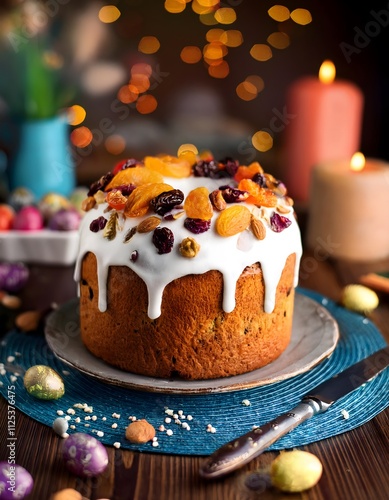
column 327, row 72
column 357, row 162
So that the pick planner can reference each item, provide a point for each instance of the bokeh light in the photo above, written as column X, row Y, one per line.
column 279, row 40
column 257, row 81
column 225, row 15
column 219, row 70
column 140, row 81
column 109, row 14
column 232, row 38
column 279, row 13
column 261, row 52
column 128, row 94
column 149, row 45
column 191, row 54
column 214, row 35
column 115, row 144
column 175, row 6
column 146, row 104
column 262, row 141
column 81, row 137
column 301, row 16
column 246, row 91
column 76, row 114
column 200, row 9
column 187, row 147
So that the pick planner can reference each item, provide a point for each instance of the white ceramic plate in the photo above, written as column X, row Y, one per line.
column 314, row 337
column 40, row 247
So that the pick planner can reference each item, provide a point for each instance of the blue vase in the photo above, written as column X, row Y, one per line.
column 41, row 160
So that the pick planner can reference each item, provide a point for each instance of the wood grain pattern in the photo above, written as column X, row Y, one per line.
column 355, row 463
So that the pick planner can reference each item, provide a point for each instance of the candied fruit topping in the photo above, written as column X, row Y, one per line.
column 258, row 195
column 170, row 166
column 135, row 175
column 166, row 201
column 116, row 200
column 278, row 222
column 163, row 239
column 197, row 204
column 139, row 200
column 197, row 226
column 233, row 220
column 229, row 165
column 248, row 172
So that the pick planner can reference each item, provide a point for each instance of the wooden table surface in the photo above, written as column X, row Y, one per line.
column 355, row 463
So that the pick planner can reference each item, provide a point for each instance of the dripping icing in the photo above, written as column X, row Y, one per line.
column 228, row 255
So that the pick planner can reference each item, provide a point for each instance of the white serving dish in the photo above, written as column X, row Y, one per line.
column 40, row 247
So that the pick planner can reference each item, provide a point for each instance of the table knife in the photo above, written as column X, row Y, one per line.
column 243, row 449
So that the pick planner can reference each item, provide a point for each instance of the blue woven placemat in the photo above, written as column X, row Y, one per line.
column 112, row 406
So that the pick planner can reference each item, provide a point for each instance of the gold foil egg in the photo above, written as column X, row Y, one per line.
column 359, row 298
column 43, row 382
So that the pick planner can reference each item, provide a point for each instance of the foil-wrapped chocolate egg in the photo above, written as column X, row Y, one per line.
column 65, row 220
column 84, row 455
column 51, row 203
column 43, row 382
column 15, row 481
column 28, row 219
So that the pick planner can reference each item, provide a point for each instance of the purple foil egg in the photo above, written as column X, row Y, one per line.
column 28, row 219
column 65, row 220
column 15, row 481
column 84, row 455
column 13, row 276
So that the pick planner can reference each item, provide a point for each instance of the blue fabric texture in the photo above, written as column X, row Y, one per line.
column 110, row 407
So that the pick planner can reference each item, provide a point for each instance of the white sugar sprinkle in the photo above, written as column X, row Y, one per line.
column 70, row 411
column 59, row 412
column 86, row 425
column 116, row 415
column 100, row 433
column 77, row 420
column 246, row 402
column 11, row 359
column 162, row 428
column 169, row 432
column 94, row 418
column 73, row 427
column 345, row 414
column 87, row 417
column 155, row 444
column 169, row 412
column 114, row 426
column 13, row 378
column 104, row 418
column 189, row 417
column 117, row 444
column 2, row 371
column 65, row 372
column 168, row 420
column 67, row 417
column 155, row 438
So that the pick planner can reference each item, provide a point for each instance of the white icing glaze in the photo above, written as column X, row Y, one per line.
column 229, row 255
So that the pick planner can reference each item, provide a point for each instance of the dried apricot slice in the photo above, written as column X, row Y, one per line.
column 258, row 195
column 170, row 166
column 135, row 175
column 244, row 172
column 139, row 200
column 233, row 220
column 197, row 204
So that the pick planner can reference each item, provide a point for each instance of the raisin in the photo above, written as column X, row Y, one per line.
column 166, row 201
column 163, row 239
column 100, row 184
column 233, row 195
column 98, row 224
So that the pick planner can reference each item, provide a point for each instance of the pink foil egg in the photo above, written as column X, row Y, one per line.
column 28, row 219
column 15, row 481
column 84, row 455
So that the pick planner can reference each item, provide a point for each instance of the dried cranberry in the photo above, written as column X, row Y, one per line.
column 166, row 201
column 197, row 226
column 126, row 189
column 100, row 184
column 230, row 165
column 278, row 222
column 98, row 224
column 233, row 195
column 163, row 239
column 260, row 179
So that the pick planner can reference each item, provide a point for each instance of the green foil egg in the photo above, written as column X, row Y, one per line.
column 43, row 382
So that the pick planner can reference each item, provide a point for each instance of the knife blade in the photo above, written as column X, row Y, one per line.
column 243, row 449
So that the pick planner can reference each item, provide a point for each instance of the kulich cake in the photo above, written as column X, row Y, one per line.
column 187, row 268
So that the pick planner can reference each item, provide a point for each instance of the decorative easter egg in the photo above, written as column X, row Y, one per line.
column 15, row 481
column 43, row 382
column 359, row 298
column 77, row 197
column 67, row 494
column 7, row 215
column 65, row 220
column 28, row 219
column 295, row 471
column 21, row 197
column 51, row 203
column 84, row 455
column 13, row 276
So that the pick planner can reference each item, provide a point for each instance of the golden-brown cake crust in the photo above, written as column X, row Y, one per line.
column 193, row 338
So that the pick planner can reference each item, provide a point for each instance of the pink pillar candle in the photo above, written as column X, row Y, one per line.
column 348, row 211
column 325, row 118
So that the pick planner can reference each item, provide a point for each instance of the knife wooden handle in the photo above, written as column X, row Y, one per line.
column 242, row 450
